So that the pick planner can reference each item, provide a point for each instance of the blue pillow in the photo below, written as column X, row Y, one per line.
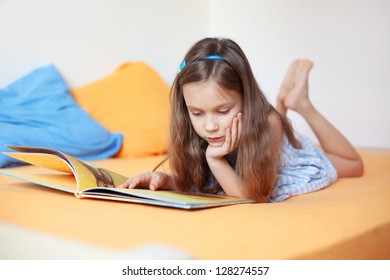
column 38, row 110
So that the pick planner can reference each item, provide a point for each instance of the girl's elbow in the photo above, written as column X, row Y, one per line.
column 358, row 168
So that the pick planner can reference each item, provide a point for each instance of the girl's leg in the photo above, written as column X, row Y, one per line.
column 294, row 95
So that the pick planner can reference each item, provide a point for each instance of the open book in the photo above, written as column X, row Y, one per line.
column 86, row 180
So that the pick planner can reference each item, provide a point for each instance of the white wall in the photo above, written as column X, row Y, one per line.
column 86, row 39
column 348, row 40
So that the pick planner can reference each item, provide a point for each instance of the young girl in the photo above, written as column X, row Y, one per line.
column 225, row 137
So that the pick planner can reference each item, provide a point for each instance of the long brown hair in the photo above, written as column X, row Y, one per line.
column 254, row 162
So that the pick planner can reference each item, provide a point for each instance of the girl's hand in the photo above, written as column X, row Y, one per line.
column 232, row 139
column 151, row 180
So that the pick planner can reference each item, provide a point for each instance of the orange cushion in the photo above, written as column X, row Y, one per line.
column 133, row 100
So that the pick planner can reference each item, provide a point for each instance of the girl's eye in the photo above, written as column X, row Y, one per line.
column 196, row 114
column 223, row 112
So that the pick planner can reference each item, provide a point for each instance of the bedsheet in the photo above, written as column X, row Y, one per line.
column 348, row 220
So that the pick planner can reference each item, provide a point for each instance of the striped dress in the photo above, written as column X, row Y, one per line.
column 301, row 170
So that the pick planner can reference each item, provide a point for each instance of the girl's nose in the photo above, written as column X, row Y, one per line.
column 211, row 125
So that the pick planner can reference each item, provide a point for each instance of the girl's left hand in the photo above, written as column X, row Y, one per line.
column 232, row 139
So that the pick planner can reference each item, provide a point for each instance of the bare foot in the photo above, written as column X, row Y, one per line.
column 293, row 92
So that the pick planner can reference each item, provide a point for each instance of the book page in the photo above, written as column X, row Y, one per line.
column 86, row 175
column 165, row 198
column 44, row 160
column 55, row 180
column 90, row 176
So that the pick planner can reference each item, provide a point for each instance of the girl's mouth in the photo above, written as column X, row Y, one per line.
column 214, row 139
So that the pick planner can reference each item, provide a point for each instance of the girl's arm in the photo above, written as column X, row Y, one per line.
column 224, row 173
column 226, row 177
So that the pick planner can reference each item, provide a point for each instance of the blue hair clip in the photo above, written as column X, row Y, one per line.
column 210, row 57
column 183, row 63
column 213, row 57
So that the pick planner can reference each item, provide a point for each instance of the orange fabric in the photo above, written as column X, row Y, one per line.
column 348, row 220
column 133, row 100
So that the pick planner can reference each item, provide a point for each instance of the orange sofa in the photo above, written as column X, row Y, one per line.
column 348, row 220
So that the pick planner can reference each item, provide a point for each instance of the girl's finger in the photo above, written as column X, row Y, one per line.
column 123, row 185
column 134, row 182
column 228, row 140
column 234, row 133
column 155, row 182
column 239, row 116
column 126, row 184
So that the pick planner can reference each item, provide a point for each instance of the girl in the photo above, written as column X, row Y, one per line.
column 225, row 137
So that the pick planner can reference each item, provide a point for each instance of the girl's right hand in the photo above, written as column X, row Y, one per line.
column 233, row 136
column 151, row 180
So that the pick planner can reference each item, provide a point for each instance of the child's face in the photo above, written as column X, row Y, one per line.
column 211, row 110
